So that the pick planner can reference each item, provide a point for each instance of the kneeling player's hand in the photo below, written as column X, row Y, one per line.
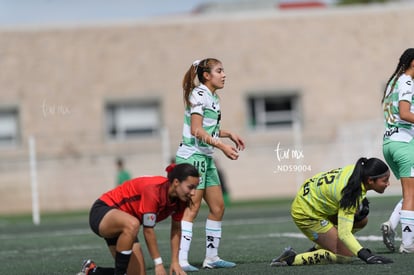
column 366, row 255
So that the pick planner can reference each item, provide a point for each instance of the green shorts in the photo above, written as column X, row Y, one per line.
column 206, row 167
column 400, row 157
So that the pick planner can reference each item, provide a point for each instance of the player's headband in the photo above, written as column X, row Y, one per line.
column 380, row 175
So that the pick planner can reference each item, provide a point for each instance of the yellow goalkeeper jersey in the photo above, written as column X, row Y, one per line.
column 319, row 197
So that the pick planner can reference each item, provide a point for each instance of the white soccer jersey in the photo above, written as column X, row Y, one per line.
column 397, row 129
column 205, row 103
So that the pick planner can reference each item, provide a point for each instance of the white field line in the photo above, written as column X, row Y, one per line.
column 163, row 226
column 52, row 249
column 58, row 233
column 80, row 247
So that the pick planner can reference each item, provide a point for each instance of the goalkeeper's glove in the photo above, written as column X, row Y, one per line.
column 363, row 211
column 366, row 255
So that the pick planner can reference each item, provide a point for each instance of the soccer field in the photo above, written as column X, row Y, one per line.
column 253, row 234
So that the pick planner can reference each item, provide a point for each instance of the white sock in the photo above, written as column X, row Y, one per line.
column 395, row 215
column 126, row 252
column 186, row 236
column 407, row 227
column 213, row 236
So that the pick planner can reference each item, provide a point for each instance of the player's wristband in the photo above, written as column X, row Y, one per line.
column 364, row 254
column 158, row 261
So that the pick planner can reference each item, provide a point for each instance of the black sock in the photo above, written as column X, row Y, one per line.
column 103, row 271
column 121, row 263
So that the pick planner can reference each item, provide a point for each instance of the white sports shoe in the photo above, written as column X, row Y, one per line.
column 388, row 236
column 407, row 249
column 219, row 263
column 189, row 268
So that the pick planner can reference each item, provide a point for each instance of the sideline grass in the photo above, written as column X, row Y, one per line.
column 253, row 233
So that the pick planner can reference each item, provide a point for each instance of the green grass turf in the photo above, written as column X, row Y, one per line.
column 253, row 234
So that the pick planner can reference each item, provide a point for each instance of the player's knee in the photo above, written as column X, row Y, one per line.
column 131, row 227
column 217, row 211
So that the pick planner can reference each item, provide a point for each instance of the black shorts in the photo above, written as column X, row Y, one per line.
column 96, row 214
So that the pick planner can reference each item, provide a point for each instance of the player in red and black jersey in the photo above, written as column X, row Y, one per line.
column 118, row 214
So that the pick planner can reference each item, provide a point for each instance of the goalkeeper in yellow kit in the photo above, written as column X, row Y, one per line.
column 330, row 207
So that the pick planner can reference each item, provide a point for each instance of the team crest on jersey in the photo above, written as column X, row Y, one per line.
column 200, row 92
column 406, row 93
column 324, row 223
column 149, row 219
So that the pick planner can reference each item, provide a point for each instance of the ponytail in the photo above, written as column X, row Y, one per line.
column 188, row 82
column 363, row 170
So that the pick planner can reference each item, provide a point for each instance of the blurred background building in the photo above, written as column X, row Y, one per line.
column 304, row 85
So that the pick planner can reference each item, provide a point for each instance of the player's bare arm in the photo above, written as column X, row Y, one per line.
column 151, row 241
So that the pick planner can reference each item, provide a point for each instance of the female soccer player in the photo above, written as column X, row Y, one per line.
column 398, row 144
column 118, row 214
column 201, row 133
column 335, row 196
